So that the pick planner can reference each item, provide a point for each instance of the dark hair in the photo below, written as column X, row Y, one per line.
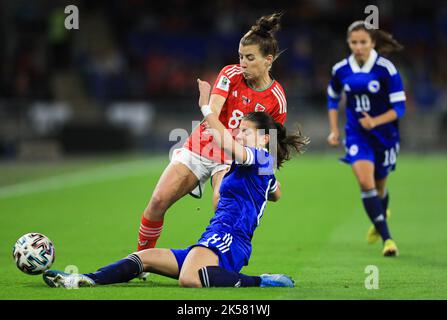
column 285, row 143
column 385, row 43
column 263, row 34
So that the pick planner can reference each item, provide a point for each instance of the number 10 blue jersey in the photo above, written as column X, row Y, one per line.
column 374, row 88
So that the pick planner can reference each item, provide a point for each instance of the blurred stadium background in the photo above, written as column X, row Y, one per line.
column 126, row 78
column 85, row 117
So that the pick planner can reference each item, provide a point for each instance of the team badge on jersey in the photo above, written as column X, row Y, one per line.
column 224, row 83
column 353, row 150
column 259, row 108
column 374, row 86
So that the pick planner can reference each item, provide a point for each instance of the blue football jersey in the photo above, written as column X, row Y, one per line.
column 243, row 195
column 374, row 88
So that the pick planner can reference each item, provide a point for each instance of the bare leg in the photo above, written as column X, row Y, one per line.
column 196, row 259
column 201, row 269
column 159, row 261
column 175, row 182
column 364, row 172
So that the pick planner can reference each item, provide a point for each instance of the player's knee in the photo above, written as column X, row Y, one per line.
column 365, row 183
column 189, row 281
column 157, row 205
column 145, row 257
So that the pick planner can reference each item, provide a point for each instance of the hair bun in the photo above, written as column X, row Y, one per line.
column 263, row 32
column 267, row 25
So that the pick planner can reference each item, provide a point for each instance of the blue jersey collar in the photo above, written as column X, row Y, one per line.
column 368, row 64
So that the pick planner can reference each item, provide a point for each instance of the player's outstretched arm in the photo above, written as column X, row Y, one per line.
column 216, row 103
column 221, row 135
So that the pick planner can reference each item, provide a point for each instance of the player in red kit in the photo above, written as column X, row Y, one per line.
column 240, row 99
column 238, row 90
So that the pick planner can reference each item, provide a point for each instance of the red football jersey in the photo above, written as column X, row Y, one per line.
column 240, row 100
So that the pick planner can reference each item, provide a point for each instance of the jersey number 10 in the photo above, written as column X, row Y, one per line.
column 362, row 103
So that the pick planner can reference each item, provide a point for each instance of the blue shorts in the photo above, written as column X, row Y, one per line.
column 384, row 158
column 232, row 253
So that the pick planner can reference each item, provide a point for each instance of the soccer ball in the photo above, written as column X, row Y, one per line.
column 33, row 253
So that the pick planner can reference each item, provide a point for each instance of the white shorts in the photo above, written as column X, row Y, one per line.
column 202, row 167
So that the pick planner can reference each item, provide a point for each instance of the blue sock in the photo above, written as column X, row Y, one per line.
column 385, row 200
column 214, row 276
column 121, row 271
column 374, row 207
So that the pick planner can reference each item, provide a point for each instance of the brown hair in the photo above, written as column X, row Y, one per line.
column 263, row 34
column 385, row 43
column 286, row 143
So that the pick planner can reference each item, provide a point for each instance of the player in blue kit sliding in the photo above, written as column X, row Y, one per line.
column 225, row 246
column 375, row 100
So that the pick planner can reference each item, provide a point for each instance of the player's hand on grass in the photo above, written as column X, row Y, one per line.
column 367, row 121
column 204, row 89
column 334, row 138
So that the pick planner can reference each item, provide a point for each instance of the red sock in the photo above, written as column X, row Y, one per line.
column 149, row 233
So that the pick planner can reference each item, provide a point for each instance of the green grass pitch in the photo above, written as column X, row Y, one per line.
column 91, row 210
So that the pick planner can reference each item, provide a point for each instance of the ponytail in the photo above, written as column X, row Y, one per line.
column 385, row 43
column 287, row 143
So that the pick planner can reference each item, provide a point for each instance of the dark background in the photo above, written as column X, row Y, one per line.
column 127, row 77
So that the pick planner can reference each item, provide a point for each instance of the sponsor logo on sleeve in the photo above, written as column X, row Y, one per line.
column 224, row 83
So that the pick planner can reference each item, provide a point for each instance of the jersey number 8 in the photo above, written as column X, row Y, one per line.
column 236, row 118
